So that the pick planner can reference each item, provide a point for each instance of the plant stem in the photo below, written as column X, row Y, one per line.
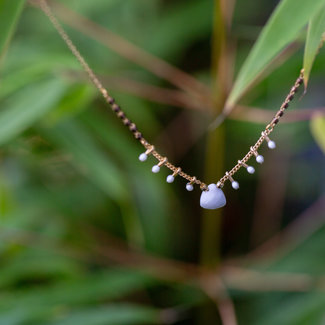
column 211, row 219
column 215, row 149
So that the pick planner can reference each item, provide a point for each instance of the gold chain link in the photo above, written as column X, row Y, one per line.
column 132, row 127
column 268, row 129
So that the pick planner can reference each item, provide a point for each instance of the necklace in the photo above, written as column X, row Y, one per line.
column 212, row 196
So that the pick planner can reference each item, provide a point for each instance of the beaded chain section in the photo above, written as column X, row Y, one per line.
column 150, row 149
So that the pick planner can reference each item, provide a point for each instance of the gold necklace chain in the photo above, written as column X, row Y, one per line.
column 150, row 149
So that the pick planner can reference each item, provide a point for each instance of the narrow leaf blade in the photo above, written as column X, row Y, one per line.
column 119, row 314
column 89, row 158
column 10, row 11
column 316, row 29
column 280, row 31
column 27, row 106
column 317, row 126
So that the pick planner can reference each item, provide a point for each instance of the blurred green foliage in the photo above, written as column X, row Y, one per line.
column 88, row 235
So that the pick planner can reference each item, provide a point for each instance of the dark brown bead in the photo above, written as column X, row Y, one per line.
column 286, row 105
column 138, row 135
column 126, row 122
column 111, row 100
column 290, row 97
column 275, row 121
column 300, row 80
column 280, row 113
column 121, row 115
column 116, row 108
column 133, row 127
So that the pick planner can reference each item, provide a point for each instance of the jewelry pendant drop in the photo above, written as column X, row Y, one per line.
column 214, row 198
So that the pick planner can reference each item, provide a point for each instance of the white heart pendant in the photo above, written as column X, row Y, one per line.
column 212, row 199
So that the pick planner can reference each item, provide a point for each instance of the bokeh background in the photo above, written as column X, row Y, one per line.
column 89, row 236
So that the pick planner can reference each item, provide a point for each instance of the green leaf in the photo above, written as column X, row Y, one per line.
column 150, row 192
column 121, row 314
column 300, row 310
column 33, row 265
column 55, row 301
column 172, row 38
column 6, row 199
column 306, row 258
column 101, row 169
column 316, row 29
column 9, row 13
column 76, row 99
column 283, row 27
column 297, row 308
column 27, row 106
column 99, row 286
column 19, row 72
column 317, row 126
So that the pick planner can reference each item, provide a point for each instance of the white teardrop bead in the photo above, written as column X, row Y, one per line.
column 170, row 178
column 143, row 157
column 271, row 144
column 155, row 169
column 250, row 169
column 235, row 185
column 214, row 198
column 260, row 159
column 189, row 187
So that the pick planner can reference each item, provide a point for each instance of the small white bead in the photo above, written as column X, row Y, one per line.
column 155, row 169
column 143, row 157
column 170, row 178
column 235, row 185
column 260, row 159
column 271, row 144
column 250, row 169
column 189, row 187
